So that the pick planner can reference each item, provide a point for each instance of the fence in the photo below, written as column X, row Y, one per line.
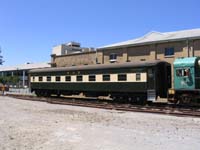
column 23, row 91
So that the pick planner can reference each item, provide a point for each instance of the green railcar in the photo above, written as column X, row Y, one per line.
column 139, row 81
column 186, row 81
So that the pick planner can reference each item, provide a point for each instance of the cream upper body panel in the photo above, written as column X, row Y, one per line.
column 130, row 77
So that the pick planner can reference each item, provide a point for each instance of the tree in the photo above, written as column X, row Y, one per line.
column 1, row 58
column 10, row 80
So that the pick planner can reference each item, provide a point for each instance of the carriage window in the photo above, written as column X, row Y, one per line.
column 106, row 77
column 182, row 72
column 58, row 78
column 79, row 78
column 48, row 78
column 33, row 78
column 40, row 78
column 92, row 78
column 67, row 78
column 122, row 77
column 138, row 76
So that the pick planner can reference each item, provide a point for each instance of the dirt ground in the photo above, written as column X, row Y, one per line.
column 27, row 125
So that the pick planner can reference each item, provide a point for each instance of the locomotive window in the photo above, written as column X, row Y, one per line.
column 106, row 77
column 40, row 78
column 122, row 77
column 48, row 78
column 67, row 78
column 182, row 72
column 33, row 78
column 57, row 78
column 92, row 78
column 138, row 76
column 179, row 72
column 79, row 78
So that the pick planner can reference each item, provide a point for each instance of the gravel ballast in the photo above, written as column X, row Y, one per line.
column 28, row 125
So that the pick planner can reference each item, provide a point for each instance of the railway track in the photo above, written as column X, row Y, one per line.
column 166, row 109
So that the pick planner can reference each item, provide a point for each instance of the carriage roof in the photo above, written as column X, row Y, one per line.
column 100, row 66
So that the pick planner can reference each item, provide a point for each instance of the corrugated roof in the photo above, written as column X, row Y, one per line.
column 25, row 67
column 156, row 37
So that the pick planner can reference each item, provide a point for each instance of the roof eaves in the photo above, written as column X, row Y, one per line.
column 148, row 43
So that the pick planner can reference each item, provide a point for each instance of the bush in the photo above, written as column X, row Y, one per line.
column 9, row 80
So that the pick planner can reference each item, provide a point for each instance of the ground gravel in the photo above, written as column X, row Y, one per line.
column 27, row 125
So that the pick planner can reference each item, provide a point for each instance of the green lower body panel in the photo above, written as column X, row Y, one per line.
column 92, row 87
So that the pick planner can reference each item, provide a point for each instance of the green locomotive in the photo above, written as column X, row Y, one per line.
column 186, row 81
column 133, row 81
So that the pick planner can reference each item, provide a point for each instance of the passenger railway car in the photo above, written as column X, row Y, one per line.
column 186, row 81
column 134, row 81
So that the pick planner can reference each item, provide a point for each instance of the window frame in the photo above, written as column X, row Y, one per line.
column 120, row 77
column 40, row 78
column 113, row 57
column 104, row 78
column 58, row 77
column 79, row 78
column 69, row 77
column 169, row 52
column 138, row 76
column 90, row 77
column 47, row 78
column 183, row 72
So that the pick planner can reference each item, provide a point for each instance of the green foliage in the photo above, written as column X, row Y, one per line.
column 9, row 79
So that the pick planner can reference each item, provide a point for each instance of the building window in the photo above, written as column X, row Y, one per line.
column 122, row 77
column 169, row 51
column 138, row 76
column 113, row 57
column 106, row 77
column 92, row 78
column 48, row 78
column 57, row 78
column 67, row 78
column 79, row 78
column 40, row 78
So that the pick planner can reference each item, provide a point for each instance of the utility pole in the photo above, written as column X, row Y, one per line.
column 1, row 58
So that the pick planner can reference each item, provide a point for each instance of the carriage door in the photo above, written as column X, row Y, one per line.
column 151, row 89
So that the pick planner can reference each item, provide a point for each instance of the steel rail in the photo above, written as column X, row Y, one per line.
column 175, row 110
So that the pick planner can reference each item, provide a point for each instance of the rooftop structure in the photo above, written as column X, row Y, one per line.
column 70, row 48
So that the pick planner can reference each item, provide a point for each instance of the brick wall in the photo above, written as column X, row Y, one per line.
column 75, row 59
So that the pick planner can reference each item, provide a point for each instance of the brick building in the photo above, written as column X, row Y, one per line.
column 154, row 45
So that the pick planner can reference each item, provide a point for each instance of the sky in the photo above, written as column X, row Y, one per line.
column 30, row 28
